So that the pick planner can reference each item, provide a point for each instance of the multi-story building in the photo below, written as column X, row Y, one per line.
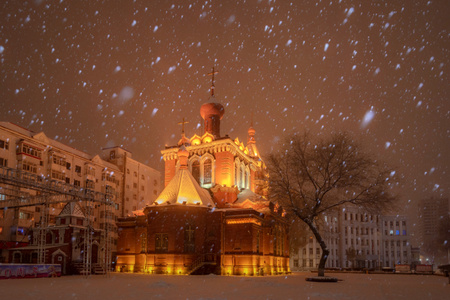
column 115, row 172
column 434, row 220
column 356, row 239
column 395, row 247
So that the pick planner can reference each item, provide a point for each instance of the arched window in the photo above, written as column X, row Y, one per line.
column 246, row 180
column 196, row 170
column 207, row 168
column 189, row 239
column 242, row 178
column 236, row 171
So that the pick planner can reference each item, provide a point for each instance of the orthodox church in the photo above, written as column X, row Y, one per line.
column 213, row 215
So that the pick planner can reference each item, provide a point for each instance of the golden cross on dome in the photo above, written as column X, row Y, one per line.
column 182, row 125
column 212, row 81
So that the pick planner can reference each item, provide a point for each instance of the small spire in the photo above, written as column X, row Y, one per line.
column 184, row 140
column 182, row 126
column 212, row 81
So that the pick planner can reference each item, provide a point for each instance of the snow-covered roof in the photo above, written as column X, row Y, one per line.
column 184, row 189
column 247, row 194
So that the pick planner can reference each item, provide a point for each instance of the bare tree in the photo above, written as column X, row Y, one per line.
column 310, row 177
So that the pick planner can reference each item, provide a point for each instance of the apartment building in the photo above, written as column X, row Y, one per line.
column 356, row 239
column 113, row 171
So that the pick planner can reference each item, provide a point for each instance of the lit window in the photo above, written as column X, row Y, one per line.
column 207, row 167
column 196, row 170
column 161, row 242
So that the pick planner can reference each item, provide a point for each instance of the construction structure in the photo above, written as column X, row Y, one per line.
column 48, row 189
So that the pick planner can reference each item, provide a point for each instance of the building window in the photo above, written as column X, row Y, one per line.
column 58, row 160
column 112, row 154
column 189, row 239
column 135, row 174
column 143, row 243
column 76, row 183
column 3, row 162
column 236, row 175
column 58, row 175
column 241, row 177
column 78, row 169
column 258, row 240
column 24, row 215
column 31, row 151
column 90, row 184
column 295, row 263
column 207, row 167
column 29, row 167
column 161, row 242
column 142, row 177
column 4, row 144
column 142, row 188
column 135, row 185
column 196, row 170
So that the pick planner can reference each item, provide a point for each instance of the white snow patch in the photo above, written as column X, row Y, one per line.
column 155, row 110
column 325, row 48
column 289, row 42
column 155, row 28
column 171, row 69
column 368, row 117
column 350, row 11
column 420, row 86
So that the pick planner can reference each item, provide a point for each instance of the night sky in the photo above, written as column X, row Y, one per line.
column 98, row 74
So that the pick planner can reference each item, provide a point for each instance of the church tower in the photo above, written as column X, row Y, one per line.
column 213, row 215
column 218, row 163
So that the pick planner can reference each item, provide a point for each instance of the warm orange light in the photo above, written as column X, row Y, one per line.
column 244, row 221
column 207, row 139
column 196, row 142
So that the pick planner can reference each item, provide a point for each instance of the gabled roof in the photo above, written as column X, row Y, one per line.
column 184, row 188
column 72, row 209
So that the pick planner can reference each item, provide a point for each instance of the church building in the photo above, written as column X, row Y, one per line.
column 213, row 215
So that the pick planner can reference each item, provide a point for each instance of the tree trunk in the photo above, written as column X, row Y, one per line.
column 325, row 251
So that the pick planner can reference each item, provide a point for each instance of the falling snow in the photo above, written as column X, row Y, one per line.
column 377, row 70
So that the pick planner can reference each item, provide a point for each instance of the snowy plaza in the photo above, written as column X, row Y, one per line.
column 138, row 286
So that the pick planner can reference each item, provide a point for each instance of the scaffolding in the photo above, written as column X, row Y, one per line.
column 50, row 191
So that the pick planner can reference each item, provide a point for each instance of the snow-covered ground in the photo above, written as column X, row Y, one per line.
column 137, row 286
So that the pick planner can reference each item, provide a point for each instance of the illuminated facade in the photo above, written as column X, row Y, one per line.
column 212, row 216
